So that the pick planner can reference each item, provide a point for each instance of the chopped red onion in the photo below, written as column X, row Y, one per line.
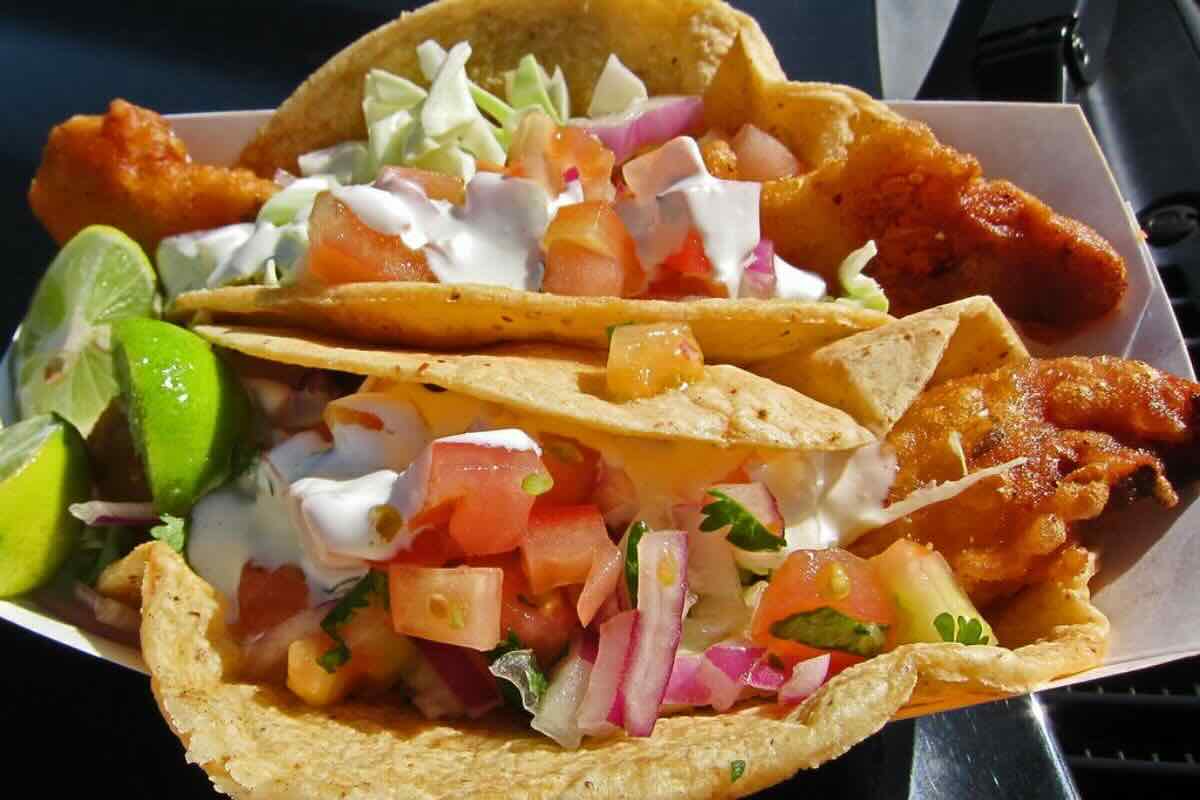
column 265, row 657
column 684, row 688
column 646, row 122
column 107, row 610
column 765, row 677
column 465, row 673
column 662, row 592
column 758, row 277
column 102, row 512
column 806, row 678
column 602, row 699
column 570, row 174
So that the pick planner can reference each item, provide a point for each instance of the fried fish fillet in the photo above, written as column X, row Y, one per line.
column 943, row 232
column 129, row 170
column 1095, row 432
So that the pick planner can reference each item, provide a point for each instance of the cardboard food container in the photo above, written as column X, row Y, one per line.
column 1149, row 555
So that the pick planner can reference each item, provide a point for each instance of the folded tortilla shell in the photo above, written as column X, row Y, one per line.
column 259, row 741
column 730, row 407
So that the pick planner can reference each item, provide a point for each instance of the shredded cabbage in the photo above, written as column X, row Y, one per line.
column 349, row 162
column 861, row 289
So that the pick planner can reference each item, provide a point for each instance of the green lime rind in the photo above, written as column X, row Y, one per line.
column 43, row 469
column 189, row 416
column 63, row 355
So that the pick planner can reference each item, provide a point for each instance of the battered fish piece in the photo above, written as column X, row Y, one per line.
column 129, row 170
column 943, row 232
column 1096, row 433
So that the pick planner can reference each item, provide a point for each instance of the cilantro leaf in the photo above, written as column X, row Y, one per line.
column 829, row 629
column 969, row 632
column 358, row 597
column 636, row 532
column 745, row 531
column 736, row 770
column 172, row 531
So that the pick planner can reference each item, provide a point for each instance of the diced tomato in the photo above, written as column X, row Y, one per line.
column 561, row 544
column 436, row 185
column 544, row 152
column 812, row 579
column 686, row 273
column 690, row 258
column 755, row 498
column 762, row 157
column 432, row 548
column 483, row 486
column 589, row 252
column 344, row 249
column 456, row 606
column 267, row 597
column 543, row 622
column 644, row 360
column 574, row 468
column 615, row 496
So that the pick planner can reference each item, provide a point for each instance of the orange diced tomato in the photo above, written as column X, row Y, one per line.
column 644, row 360
column 344, row 249
column 543, row 151
column 267, row 597
column 575, row 470
column 431, row 548
column 543, row 621
column 590, row 252
column 456, row 606
column 812, row 579
column 436, row 185
column 490, row 505
column 561, row 545
column 686, row 273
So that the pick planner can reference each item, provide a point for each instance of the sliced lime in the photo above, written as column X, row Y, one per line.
column 188, row 414
column 63, row 358
column 43, row 469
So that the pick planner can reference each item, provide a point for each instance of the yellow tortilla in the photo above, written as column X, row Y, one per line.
column 730, row 407
column 261, row 742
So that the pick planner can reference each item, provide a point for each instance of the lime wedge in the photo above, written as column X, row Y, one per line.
column 43, row 469
column 63, row 358
column 189, row 416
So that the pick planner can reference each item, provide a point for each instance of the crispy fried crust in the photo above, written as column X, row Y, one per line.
column 1096, row 432
column 129, row 170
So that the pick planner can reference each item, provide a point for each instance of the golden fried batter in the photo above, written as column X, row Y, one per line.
column 129, row 170
column 1095, row 431
column 943, row 232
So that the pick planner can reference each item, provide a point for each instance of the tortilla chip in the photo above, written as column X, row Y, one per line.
column 448, row 317
column 876, row 375
column 731, row 407
column 122, row 579
column 261, row 742
column 674, row 47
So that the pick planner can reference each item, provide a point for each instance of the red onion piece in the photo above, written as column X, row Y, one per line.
column 765, row 677
column 62, row 602
column 108, row 611
column 601, row 701
column 647, row 122
column 570, row 174
column 102, row 512
column 265, row 657
column 465, row 673
column 662, row 592
column 283, row 178
column 806, row 678
column 684, row 688
column 557, row 714
column 758, row 277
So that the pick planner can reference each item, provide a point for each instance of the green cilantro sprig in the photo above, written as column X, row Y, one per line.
column 636, row 532
column 358, row 597
column 968, row 632
column 172, row 531
column 736, row 770
column 745, row 531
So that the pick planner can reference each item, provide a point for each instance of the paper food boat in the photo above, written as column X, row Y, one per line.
column 1149, row 555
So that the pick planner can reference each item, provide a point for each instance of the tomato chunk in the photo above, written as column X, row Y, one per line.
column 344, row 249
column 456, row 606
column 574, row 468
column 814, row 579
column 542, row 621
column 589, row 252
column 436, row 185
column 686, row 273
column 484, row 488
column 545, row 152
column 267, row 597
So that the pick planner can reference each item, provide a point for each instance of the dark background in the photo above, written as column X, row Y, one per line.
column 79, row 725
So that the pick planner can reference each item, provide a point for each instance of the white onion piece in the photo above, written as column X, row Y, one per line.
column 662, row 592
column 557, row 714
column 602, row 708
column 465, row 673
column 648, row 122
column 265, row 656
column 806, row 678
column 101, row 512
column 107, row 610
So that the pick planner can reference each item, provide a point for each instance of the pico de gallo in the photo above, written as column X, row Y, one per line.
column 454, row 184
